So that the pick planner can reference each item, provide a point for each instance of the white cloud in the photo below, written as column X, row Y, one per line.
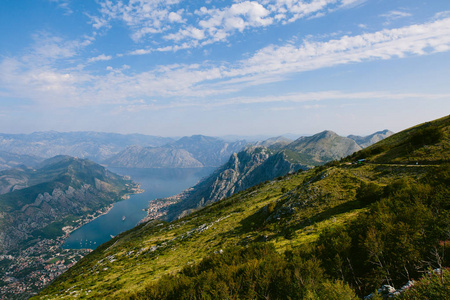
column 189, row 32
column 101, row 57
column 442, row 14
column 64, row 4
column 144, row 17
column 140, row 52
column 147, row 18
column 175, row 17
column 329, row 95
column 219, row 23
column 49, row 47
column 416, row 39
column 396, row 14
column 44, row 82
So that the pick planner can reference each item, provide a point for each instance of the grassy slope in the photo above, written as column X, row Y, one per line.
column 417, row 144
column 287, row 212
column 241, row 219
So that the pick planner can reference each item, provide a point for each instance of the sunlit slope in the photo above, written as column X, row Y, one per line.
column 426, row 143
column 296, row 211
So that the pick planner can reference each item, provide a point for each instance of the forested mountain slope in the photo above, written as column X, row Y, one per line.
column 339, row 230
column 60, row 189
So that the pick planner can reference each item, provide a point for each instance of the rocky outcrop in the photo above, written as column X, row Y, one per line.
column 366, row 141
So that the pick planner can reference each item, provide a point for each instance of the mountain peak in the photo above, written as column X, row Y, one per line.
column 326, row 134
column 322, row 147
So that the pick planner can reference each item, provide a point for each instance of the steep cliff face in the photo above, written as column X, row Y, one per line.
column 61, row 188
column 243, row 170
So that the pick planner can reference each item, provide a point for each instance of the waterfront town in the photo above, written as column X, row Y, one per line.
column 23, row 273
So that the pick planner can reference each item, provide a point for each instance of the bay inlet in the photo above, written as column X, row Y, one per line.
column 124, row 215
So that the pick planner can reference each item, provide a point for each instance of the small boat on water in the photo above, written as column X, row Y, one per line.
column 123, row 218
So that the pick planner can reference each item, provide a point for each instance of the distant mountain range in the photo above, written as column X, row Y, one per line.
column 144, row 151
column 96, row 146
column 322, row 147
column 366, row 141
column 11, row 160
column 187, row 152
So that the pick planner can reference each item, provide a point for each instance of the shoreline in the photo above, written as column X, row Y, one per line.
column 91, row 217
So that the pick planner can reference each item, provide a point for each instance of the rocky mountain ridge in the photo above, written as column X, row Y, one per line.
column 244, row 169
column 11, row 160
column 187, row 152
column 322, row 147
column 366, row 141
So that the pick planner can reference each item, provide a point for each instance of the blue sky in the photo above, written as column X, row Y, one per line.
column 176, row 67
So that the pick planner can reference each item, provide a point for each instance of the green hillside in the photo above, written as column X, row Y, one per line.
column 338, row 231
column 426, row 143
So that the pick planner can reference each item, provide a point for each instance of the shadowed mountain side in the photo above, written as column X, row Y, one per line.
column 61, row 190
column 12, row 160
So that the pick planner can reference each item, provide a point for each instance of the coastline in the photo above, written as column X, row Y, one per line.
column 91, row 217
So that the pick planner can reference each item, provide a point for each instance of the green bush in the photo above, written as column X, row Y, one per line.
column 434, row 286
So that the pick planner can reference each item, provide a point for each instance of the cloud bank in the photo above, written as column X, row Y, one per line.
column 39, row 76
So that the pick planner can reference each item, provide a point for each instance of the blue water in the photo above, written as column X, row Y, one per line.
column 157, row 183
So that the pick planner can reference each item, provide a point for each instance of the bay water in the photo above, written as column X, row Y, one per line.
column 126, row 214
